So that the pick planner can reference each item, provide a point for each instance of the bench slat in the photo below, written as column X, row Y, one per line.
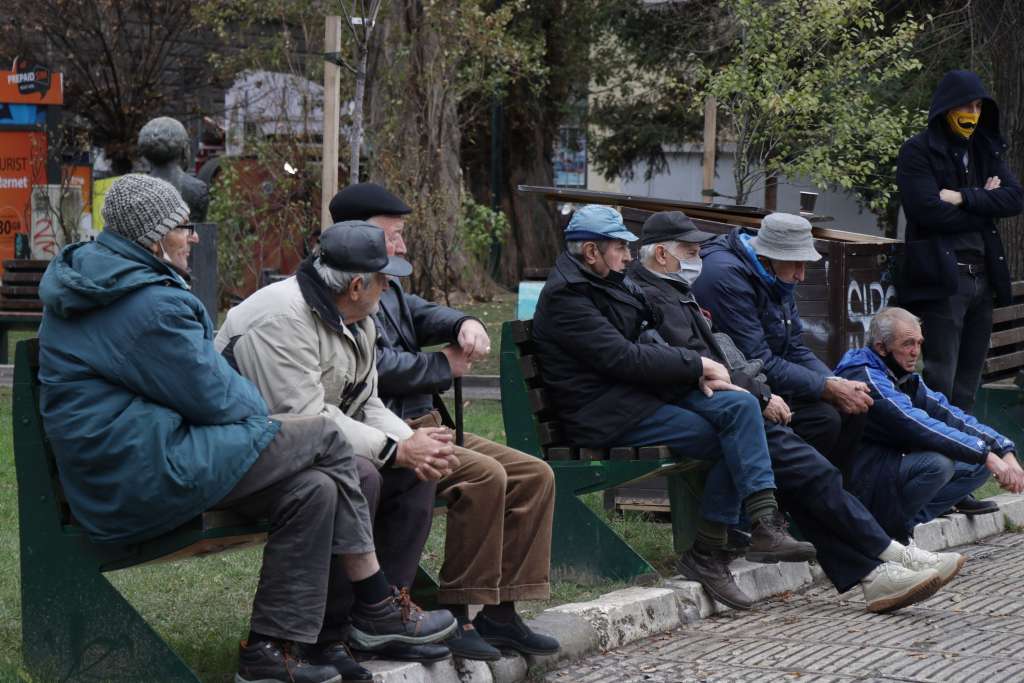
column 560, row 453
column 593, row 454
column 1007, row 313
column 653, row 453
column 22, row 305
column 1007, row 337
column 1005, row 362
column 19, row 292
column 538, row 400
column 549, row 433
column 25, row 264
column 622, row 453
column 530, row 366
column 16, row 278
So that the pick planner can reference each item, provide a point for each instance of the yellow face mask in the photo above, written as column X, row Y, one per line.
column 962, row 123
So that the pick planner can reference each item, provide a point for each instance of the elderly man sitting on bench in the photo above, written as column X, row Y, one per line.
column 612, row 388
column 150, row 427
column 852, row 548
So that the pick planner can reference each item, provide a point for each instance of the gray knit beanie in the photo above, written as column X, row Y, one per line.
column 142, row 208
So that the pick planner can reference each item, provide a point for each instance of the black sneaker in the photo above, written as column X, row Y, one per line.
column 404, row 652
column 337, row 655
column 971, row 506
column 467, row 644
column 270, row 661
column 515, row 635
column 710, row 568
column 397, row 619
column 770, row 542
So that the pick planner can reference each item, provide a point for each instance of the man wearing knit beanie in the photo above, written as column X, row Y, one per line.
column 151, row 426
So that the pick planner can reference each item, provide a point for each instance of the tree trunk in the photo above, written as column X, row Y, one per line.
column 999, row 23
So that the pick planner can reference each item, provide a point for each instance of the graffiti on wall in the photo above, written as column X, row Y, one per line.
column 863, row 301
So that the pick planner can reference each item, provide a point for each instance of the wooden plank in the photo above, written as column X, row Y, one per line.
column 1008, row 313
column 560, row 453
column 538, row 400
column 14, row 277
column 1007, row 337
column 1017, row 288
column 806, row 292
column 653, row 453
column 1009, row 361
column 24, row 264
column 549, row 433
column 593, row 454
column 17, row 292
column 622, row 453
column 530, row 366
column 331, row 120
column 24, row 308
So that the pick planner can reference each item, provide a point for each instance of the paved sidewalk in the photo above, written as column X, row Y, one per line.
column 969, row 631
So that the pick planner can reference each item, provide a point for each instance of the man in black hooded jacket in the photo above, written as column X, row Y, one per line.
column 954, row 182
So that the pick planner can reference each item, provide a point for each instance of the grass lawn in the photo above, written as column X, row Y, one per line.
column 493, row 314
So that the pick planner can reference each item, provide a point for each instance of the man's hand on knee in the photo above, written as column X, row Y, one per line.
column 778, row 410
column 852, row 398
column 429, row 452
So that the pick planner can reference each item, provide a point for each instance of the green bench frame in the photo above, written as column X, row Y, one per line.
column 75, row 625
column 582, row 542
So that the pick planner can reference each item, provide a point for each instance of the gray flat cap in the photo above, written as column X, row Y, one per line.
column 785, row 237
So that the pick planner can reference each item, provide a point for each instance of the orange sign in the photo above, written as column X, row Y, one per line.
column 22, row 165
column 28, row 83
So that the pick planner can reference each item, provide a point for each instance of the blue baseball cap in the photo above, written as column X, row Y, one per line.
column 595, row 222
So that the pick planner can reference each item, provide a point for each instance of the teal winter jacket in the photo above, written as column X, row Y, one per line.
column 149, row 424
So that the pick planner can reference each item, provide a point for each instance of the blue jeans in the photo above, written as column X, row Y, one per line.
column 947, row 481
column 726, row 428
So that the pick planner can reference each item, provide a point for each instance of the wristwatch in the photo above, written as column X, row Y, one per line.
column 389, row 452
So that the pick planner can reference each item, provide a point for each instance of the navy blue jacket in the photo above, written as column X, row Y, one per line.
column 602, row 375
column 762, row 321
column 928, row 163
column 906, row 416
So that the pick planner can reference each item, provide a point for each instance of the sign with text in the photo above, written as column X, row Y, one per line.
column 22, row 165
column 30, row 83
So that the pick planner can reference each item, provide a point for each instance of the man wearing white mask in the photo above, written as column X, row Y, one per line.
column 851, row 546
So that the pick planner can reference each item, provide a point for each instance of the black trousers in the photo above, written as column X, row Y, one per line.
column 956, row 337
column 810, row 489
column 833, row 434
column 402, row 507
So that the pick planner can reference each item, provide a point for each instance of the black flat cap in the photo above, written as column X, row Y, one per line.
column 359, row 247
column 363, row 200
column 671, row 226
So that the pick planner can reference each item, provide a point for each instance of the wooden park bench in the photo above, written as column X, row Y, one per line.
column 20, row 307
column 582, row 541
column 75, row 625
column 1000, row 400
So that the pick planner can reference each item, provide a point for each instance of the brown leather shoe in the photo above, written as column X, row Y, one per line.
column 770, row 542
column 710, row 568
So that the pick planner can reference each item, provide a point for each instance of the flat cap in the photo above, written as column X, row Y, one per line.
column 671, row 226
column 360, row 247
column 595, row 222
column 363, row 200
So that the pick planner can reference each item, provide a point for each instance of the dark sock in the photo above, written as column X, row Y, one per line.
column 760, row 505
column 711, row 535
column 259, row 638
column 373, row 589
column 503, row 612
column 460, row 612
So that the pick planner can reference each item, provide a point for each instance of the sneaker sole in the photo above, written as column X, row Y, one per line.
column 913, row 595
column 368, row 641
column 959, row 565
column 715, row 595
column 774, row 557
column 239, row 679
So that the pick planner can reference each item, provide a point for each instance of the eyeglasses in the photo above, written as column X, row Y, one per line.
column 190, row 228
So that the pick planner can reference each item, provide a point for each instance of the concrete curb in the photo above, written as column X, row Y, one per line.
column 631, row 614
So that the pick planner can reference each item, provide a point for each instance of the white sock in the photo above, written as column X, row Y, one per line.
column 893, row 553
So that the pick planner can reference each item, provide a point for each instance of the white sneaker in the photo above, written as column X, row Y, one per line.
column 946, row 564
column 892, row 586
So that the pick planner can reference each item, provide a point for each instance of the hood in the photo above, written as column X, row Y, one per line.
column 960, row 87
column 855, row 358
column 89, row 275
column 735, row 241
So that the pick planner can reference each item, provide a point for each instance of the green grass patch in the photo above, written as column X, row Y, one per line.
column 493, row 314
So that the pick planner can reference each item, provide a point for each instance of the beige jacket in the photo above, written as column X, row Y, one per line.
column 302, row 366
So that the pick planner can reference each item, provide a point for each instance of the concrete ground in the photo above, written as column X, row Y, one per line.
column 970, row 631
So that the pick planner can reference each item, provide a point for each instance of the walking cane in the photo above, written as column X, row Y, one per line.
column 459, row 433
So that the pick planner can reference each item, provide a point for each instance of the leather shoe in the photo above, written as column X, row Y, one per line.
column 971, row 506
column 710, row 568
column 336, row 654
column 515, row 635
column 770, row 542
column 404, row 652
column 467, row 643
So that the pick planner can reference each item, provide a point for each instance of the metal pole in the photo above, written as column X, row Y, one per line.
column 460, row 434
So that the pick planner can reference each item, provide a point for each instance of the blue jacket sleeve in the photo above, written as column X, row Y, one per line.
column 919, row 192
column 894, row 417
column 942, row 409
column 733, row 312
column 172, row 361
column 1007, row 200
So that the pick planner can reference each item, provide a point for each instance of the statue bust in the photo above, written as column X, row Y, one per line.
column 164, row 144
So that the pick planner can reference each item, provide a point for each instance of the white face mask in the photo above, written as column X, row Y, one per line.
column 689, row 270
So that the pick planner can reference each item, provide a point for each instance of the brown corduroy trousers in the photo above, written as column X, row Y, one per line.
column 498, row 540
